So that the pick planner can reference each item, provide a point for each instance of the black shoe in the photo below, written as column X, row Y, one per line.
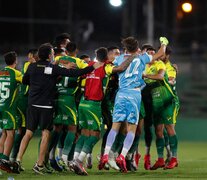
column 15, row 166
column 39, row 169
column 130, row 165
column 5, row 165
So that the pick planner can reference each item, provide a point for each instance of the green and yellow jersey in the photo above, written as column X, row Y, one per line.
column 9, row 79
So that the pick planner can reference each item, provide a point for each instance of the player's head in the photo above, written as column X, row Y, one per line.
column 62, row 40
column 86, row 58
column 46, row 52
column 151, row 51
column 101, row 54
column 113, row 52
column 71, row 48
column 130, row 44
column 32, row 55
column 10, row 58
column 145, row 47
column 59, row 52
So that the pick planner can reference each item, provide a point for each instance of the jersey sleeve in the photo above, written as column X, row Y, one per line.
column 108, row 69
column 146, row 58
column 25, row 67
column 81, row 63
column 160, row 65
column 18, row 75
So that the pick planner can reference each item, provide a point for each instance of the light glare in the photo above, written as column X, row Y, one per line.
column 115, row 3
column 187, row 7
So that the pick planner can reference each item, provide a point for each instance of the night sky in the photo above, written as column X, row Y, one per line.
column 106, row 19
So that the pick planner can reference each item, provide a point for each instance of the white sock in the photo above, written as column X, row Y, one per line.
column 147, row 150
column 124, row 151
column 65, row 158
column 52, row 153
column 75, row 156
column 82, row 156
column 107, row 149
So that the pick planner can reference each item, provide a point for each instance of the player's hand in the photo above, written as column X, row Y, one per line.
column 164, row 40
column 71, row 65
column 98, row 65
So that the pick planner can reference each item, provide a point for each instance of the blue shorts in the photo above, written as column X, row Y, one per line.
column 127, row 106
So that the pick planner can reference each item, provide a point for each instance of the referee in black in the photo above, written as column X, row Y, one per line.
column 41, row 78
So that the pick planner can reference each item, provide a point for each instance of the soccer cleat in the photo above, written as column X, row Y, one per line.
column 5, row 166
column 21, row 168
column 48, row 168
column 172, row 164
column 70, row 165
column 62, row 164
column 112, row 164
column 89, row 161
column 55, row 165
column 15, row 166
column 120, row 161
column 137, row 157
column 103, row 160
column 147, row 162
column 160, row 163
column 39, row 169
column 79, row 169
column 130, row 165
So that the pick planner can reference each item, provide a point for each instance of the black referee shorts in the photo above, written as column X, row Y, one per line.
column 38, row 116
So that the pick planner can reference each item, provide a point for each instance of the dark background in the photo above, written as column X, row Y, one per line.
column 26, row 24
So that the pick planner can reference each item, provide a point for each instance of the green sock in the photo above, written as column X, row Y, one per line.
column 173, row 145
column 166, row 138
column 118, row 144
column 160, row 143
column 5, row 157
column 1, row 154
column 89, row 144
column 68, row 143
column 61, row 139
column 53, row 140
column 134, row 145
column 71, row 154
column 15, row 149
column 80, row 143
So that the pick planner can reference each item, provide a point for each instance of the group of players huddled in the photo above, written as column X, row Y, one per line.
column 74, row 100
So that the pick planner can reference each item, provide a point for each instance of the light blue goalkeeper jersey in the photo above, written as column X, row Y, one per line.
column 132, row 77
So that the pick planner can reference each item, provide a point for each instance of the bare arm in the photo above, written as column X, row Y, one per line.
column 124, row 65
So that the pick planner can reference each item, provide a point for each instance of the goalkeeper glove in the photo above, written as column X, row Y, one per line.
column 163, row 40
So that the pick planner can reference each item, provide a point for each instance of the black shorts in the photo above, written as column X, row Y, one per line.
column 42, row 117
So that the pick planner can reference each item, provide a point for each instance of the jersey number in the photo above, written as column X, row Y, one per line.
column 133, row 68
column 4, row 90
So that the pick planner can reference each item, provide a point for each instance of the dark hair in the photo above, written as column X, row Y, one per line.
column 58, row 50
column 61, row 38
column 84, row 56
column 130, row 43
column 10, row 57
column 71, row 47
column 168, row 50
column 147, row 46
column 111, row 48
column 33, row 51
column 44, row 51
column 102, row 54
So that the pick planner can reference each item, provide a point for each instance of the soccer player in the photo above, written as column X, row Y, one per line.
column 163, row 110
column 89, row 110
column 128, row 98
column 41, row 78
column 22, row 106
column 86, row 58
column 62, row 40
column 9, row 79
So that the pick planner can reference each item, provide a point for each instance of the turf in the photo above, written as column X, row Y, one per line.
column 192, row 165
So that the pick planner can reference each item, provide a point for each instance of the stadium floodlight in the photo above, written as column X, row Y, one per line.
column 187, row 7
column 115, row 3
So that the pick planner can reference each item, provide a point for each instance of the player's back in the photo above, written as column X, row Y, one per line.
column 132, row 77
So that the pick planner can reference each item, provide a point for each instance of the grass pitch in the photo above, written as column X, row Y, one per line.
column 192, row 165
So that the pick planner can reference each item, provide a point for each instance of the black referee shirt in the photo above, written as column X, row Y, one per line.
column 41, row 78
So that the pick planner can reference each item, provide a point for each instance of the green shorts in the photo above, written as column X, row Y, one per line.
column 9, row 119
column 168, row 115
column 66, row 112
column 90, row 116
column 22, row 105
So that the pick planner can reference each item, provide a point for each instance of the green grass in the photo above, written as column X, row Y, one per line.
column 192, row 165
